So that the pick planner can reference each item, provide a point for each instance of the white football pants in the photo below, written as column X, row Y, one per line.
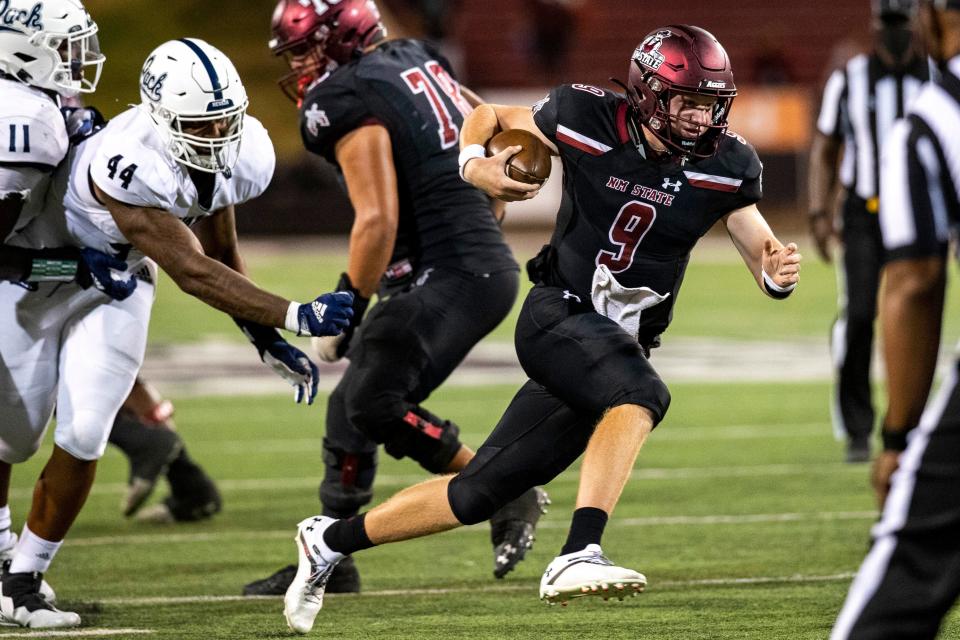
column 74, row 348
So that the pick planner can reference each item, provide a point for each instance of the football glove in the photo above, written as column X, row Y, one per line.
column 82, row 122
column 332, row 348
column 328, row 315
column 286, row 360
column 105, row 272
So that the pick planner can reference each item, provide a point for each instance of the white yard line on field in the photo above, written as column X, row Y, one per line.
column 506, row 588
column 667, row 433
column 77, row 633
column 652, row 521
column 403, row 480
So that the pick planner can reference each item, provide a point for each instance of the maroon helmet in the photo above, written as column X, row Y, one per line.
column 317, row 33
column 680, row 59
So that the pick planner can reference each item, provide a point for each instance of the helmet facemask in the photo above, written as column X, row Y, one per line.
column 664, row 123
column 196, row 142
column 307, row 62
column 78, row 56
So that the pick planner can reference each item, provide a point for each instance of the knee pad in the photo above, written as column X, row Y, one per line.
column 85, row 435
column 422, row 436
column 348, row 480
column 469, row 503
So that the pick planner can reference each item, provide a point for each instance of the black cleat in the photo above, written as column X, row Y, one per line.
column 191, row 501
column 344, row 579
column 22, row 603
column 858, row 450
column 512, row 529
column 150, row 450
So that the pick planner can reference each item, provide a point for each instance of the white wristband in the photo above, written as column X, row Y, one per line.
column 291, row 323
column 470, row 152
column 773, row 286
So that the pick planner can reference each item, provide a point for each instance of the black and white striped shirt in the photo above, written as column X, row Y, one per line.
column 861, row 101
column 919, row 202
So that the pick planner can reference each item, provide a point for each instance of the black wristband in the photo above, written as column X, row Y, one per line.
column 360, row 303
column 259, row 335
column 894, row 440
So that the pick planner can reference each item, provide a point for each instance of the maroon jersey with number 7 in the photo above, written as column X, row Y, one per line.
column 407, row 87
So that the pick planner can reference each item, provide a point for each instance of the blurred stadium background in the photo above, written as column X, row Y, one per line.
column 740, row 513
column 511, row 51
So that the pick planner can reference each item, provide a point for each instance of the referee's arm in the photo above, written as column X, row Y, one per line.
column 824, row 161
column 911, row 310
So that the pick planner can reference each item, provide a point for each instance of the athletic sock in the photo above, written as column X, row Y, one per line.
column 347, row 536
column 5, row 522
column 33, row 553
column 586, row 528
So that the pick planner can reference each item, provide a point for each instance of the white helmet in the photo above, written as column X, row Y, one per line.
column 50, row 44
column 195, row 97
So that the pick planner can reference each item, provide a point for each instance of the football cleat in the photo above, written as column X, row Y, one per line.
column 21, row 603
column 512, row 529
column 588, row 573
column 191, row 502
column 344, row 579
column 304, row 598
column 157, row 448
column 6, row 557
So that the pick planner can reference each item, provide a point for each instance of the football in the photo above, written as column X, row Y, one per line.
column 532, row 164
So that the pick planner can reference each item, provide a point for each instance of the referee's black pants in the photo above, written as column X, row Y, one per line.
column 911, row 577
column 852, row 335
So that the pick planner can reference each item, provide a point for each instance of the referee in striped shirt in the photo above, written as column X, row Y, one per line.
column 861, row 100
column 911, row 576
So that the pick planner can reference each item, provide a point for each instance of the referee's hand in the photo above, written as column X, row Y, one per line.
column 883, row 467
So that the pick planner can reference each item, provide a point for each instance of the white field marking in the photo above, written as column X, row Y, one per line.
column 569, row 476
column 78, row 633
column 507, row 588
column 665, row 433
column 732, row 519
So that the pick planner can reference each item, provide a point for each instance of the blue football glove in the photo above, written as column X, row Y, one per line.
column 286, row 360
column 328, row 315
column 331, row 349
column 106, row 273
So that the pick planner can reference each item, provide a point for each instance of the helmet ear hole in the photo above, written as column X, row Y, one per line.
column 646, row 104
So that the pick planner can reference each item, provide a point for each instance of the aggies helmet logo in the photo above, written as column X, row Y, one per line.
column 648, row 53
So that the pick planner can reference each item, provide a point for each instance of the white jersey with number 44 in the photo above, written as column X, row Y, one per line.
column 129, row 162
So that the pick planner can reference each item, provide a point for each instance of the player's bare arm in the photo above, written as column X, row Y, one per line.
column 761, row 251
column 824, row 160
column 911, row 306
column 218, row 237
column 489, row 174
column 167, row 240
column 366, row 159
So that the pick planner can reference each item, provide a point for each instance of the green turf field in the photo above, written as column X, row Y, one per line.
column 739, row 514
column 719, row 298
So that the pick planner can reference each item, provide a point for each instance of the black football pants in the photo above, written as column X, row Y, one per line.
column 911, row 577
column 408, row 344
column 852, row 337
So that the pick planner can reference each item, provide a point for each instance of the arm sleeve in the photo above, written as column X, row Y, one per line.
column 19, row 180
column 133, row 174
column 828, row 123
column 916, row 193
column 546, row 113
column 330, row 112
column 36, row 138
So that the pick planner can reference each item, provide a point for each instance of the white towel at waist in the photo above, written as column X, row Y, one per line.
column 622, row 304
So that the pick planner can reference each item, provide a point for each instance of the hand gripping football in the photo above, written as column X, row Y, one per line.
column 532, row 164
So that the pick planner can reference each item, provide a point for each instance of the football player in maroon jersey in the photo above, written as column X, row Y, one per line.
column 645, row 176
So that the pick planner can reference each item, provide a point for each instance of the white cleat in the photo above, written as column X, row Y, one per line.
column 6, row 557
column 21, row 603
column 588, row 573
column 304, row 597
